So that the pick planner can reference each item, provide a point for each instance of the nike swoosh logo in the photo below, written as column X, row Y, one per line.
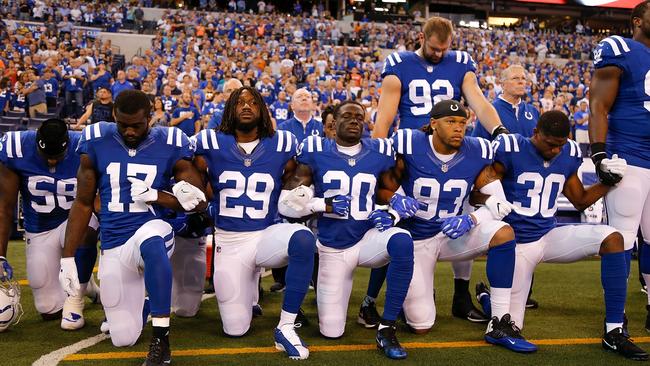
column 511, row 342
column 498, row 207
column 609, row 345
column 147, row 190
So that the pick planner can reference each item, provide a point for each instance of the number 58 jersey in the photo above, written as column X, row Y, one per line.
column 533, row 184
column 442, row 186
column 152, row 161
column 47, row 192
column 246, row 186
column 425, row 84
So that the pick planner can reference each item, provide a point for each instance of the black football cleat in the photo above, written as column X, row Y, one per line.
column 277, row 287
column 159, row 353
column 505, row 333
column 617, row 341
column 368, row 316
column 301, row 319
column 531, row 303
column 462, row 307
column 647, row 318
column 257, row 310
column 387, row 342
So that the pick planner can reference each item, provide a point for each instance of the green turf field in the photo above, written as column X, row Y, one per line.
column 571, row 308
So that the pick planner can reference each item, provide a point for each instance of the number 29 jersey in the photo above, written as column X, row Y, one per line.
column 424, row 84
column 443, row 186
column 335, row 173
column 47, row 192
column 629, row 117
column 532, row 184
column 152, row 161
column 246, row 186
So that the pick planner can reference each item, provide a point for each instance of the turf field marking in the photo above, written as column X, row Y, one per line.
column 337, row 348
column 25, row 282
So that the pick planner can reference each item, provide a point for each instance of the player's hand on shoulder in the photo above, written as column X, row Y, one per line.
column 382, row 220
column 68, row 277
column 616, row 166
column 188, row 195
column 6, row 272
column 499, row 207
column 498, row 130
column 298, row 198
column 141, row 192
column 456, row 226
column 338, row 204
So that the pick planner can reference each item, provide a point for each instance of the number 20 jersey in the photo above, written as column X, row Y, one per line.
column 246, row 186
column 532, row 184
column 424, row 83
column 442, row 186
column 152, row 161
column 629, row 117
column 47, row 194
column 335, row 173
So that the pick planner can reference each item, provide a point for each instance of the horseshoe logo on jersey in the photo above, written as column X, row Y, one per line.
column 528, row 115
column 315, row 133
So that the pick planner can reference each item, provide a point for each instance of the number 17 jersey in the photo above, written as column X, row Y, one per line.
column 424, row 84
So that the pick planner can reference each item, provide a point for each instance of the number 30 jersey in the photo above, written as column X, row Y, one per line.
column 47, row 192
column 152, row 161
column 629, row 117
column 335, row 173
column 424, row 84
column 246, row 186
column 532, row 184
column 443, row 186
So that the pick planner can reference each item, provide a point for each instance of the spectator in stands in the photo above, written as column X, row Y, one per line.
column 581, row 119
column 99, row 110
column 302, row 124
column 101, row 78
column 185, row 116
column 159, row 116
column 74, row 81
column 120, row 84
column 230, row 86
column 34, row 90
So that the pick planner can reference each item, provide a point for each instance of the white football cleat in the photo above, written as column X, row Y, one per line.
column 287, row 340
column 73, row 313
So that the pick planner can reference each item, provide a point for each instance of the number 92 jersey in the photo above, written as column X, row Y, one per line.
column 152, row 161
column 424, row 83
column 442, row 186
column 532, row 184
column 629, row 117
column 47, row 193
column 335, row 173
column 246, row 186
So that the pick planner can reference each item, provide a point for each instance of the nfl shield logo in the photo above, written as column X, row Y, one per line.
column 546, row 164
column 132, row 152
column 444, row 168
column 248, row 162
column 430, row 68
column 352, row 162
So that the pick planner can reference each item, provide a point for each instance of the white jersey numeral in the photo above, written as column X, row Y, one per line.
column 420, row 93
column 427, row 190
column 540, row 194
column 114, row 171
column 246, row 187
column 361, row 204
column 65, row 192
column 646, row 104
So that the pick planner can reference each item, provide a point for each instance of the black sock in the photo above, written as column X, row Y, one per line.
column 461, row 287
column 161, row 332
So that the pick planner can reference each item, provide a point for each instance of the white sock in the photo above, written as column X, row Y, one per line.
column 160, row 322
column 84, row 287
column 612, row 326
column 646, row 278
column 500, row 301
column 287, row 318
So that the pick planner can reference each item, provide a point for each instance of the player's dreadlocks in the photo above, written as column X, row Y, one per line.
column 229, row 121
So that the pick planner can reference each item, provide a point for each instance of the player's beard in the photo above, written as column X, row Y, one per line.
column 246, row 127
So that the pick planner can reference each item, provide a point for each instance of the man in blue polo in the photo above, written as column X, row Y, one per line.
column 302, row 124
column 516, row 115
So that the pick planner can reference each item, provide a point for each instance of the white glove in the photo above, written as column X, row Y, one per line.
column 615, row 165
column 499, row 207
column 68, row 277
column 298, row 198
column 187, row 195
column 141, row 192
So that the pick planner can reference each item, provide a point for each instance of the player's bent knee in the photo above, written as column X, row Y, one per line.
column 613, row 243
column 400, row 245
column 236, row 328
column 420, row 331
column 49, row 304
column 503, row 235
column 124, row 337
column 39, row 267
column 302, row 244
column 332, row 331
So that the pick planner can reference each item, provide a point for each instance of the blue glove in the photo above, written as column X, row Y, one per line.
column 340, row 204
column 456, row 226
column 6, row 272
column 405, row 206
column 381, row 219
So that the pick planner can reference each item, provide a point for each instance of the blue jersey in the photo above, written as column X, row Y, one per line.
column 629, row 117
column 532, row 184
column 313, row 128
column 47, row 192
column 188, row 125
column 51, row 87
column 246, row 186
column 279, row 111
column 520, row 119
column 5, row 97
column 169, row 103
column 153, row 161
column 335, row 173
column 424, row 84
column 443, row 186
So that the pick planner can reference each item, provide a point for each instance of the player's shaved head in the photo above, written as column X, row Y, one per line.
column 132, row 111
column 554, row 123
column 641, row 21
column 131, row 102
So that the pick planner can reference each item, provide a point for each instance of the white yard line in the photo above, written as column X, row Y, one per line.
column 54, row 357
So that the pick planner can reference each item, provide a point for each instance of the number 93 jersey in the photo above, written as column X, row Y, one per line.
column 246, row 186
column 47, row 192
column 532, row 184
column 629, row 117
column 443, row 186
column 335, row 173
column 152, row 161
column 425, row 84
